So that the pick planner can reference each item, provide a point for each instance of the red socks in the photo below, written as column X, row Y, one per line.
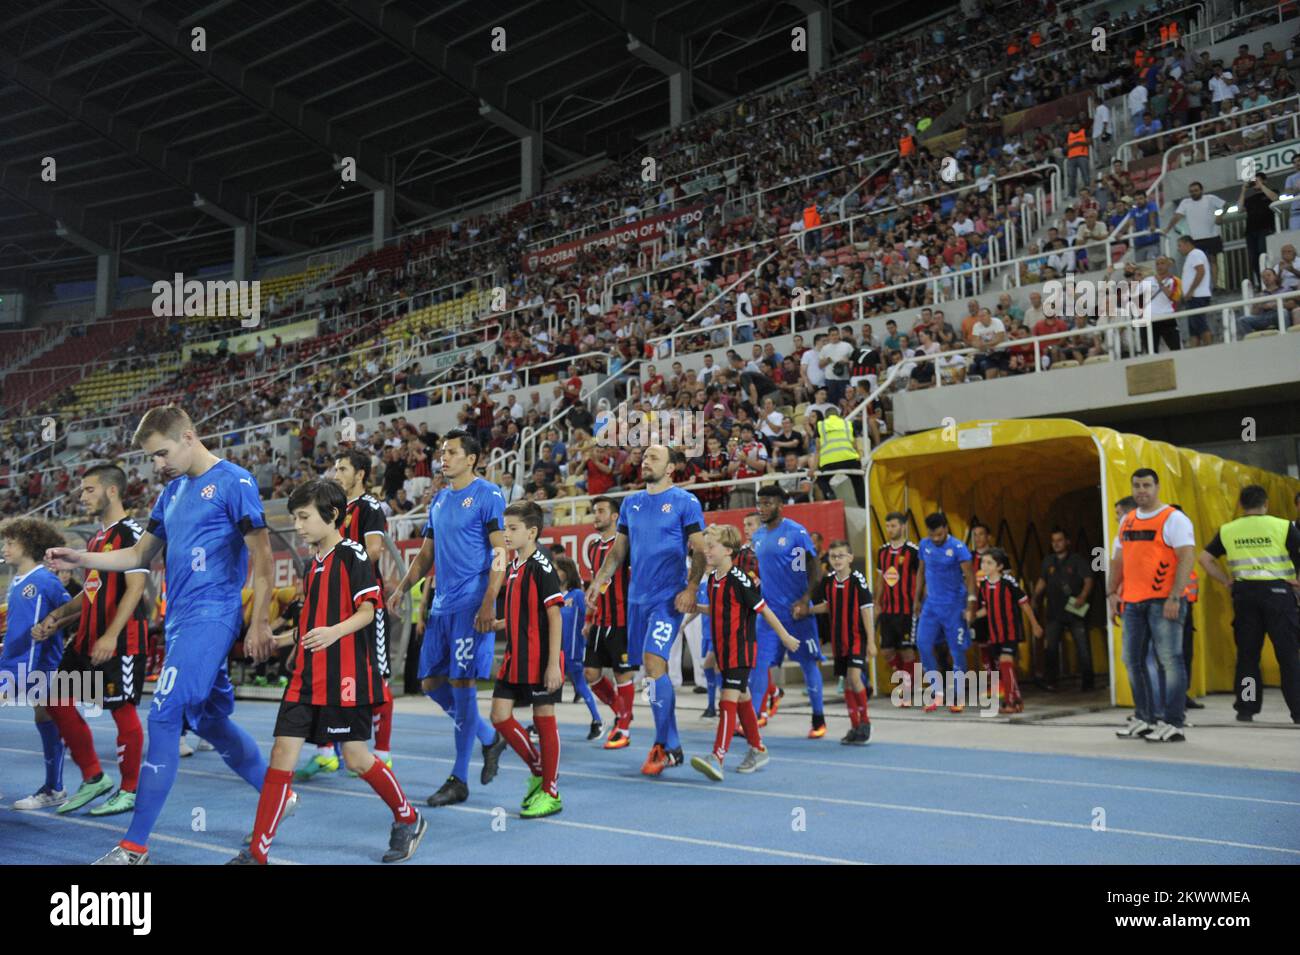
column 749, row 723
column 270, row 809
column 514, row 734
column 130, row 745
column 548, row 734
column 383, row 719
column 76, row 734
column 1007, row 671
column 727, row 718
column 384, row 783
column 604, row 691
column 856, row 701
column 771, row 690
column 626, row 694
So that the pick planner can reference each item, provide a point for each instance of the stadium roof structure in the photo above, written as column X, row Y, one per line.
column 163, row 144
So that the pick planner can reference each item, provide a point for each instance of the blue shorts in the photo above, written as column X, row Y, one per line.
column 194, row 684
column 942, row 623
column 706, row 641
column 454, row 649
column 651, row 628
column 574, row 649
column 771, row 651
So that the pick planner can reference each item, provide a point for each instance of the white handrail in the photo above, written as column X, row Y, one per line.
column 1125, row 151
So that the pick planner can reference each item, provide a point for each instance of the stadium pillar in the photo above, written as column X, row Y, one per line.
column 679, row 79
column 106, row 271
column 530, row 165
column 819, row 34
column 242, row 264
column 382, row 221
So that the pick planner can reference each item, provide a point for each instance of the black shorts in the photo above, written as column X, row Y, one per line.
column 980, row 630
column 526, row 694
column 323, row 725
column 123, row 678
column 896, row 632
column 842, row 664
column 607, row 649
column 1210, row 247
column 736, row 679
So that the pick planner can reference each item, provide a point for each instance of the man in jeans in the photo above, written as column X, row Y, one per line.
column 1150, row 574
column 1065, row 577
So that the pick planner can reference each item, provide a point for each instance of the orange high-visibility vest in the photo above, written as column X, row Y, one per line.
column 1013, row 48
column 811, row 218
column 906, row 146
column 1149, row 563
column 1035, row 39
column 1077, row 143
column 1169, row 32
column 1139, row 58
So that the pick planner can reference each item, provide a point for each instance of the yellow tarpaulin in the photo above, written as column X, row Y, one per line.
column 1024, row 477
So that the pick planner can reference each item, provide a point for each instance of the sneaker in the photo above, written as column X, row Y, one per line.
column 851, row 737
column 315, row 766
column 204, row 746
column 864, row 734
column 700, row 689
column 244, row 858
column 776, row 702
column 674, row 757
column 259, row 681
column 1245, row 717
column 543, row 804
column 405, row 838
column 87, row 792
column 1192, row 704
column 120, row 856
column 762, row 720
column 597, row 728
column 43, row 798
column 121, row 801
column 618, row 739
column 492, row 759
column 956, row 708
column 709, row 765
column 934, row 705
column 449, row 793
column 710, row 713
column 289, row 809
column 754, row 760
column 654, row 763
column 185, row 749
column 534, row 787
column 1166, row 733
column 1134, row 728
column 817, row 732
column 353, row 774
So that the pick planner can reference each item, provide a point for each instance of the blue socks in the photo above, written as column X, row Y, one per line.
column 663, row 706
column 711, row 681
column 234, row 745
column 758, row 687
column 580, row 684
column 467, row 723
column 52, row 744
column 812, row 677
column 444, row 697
column 157, row 773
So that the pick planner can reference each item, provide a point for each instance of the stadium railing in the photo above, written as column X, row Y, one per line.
column 1283, row 208
column 1200, row 150
column 1215, row 32
column 1131, row 149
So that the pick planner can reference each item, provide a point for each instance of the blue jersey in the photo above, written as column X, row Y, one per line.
column 573, row 615
column 702, row 597
column 658, row 527
column 945, row 584
column 31, row 598
column 783, row 554
column 203, row 520
column 459, row 524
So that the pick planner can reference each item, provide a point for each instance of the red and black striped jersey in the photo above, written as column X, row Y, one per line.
column 103, row 591
column 844, row 601
column 897, row 566
column 346, row 673
column 747, row 561
column 1002, row 599
column 734, row 601
column 364, row 517
column 532, row 586
column 705, row 464
column 611, row 609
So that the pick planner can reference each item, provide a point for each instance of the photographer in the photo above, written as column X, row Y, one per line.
column 1255, row 198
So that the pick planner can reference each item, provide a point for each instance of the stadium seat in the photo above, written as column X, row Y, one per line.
column 1261, row 334
column 1092, row 360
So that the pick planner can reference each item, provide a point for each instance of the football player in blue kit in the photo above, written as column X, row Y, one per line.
column 945, row 592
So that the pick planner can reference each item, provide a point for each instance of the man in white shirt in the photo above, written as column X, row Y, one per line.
column 744, row 316
column 1159, row 299
column 1202, row 223
column 1137, row 102
column 810, row 365
column 989, row 332
column 1196, row 291
column 1102, row 133
column 708, row 370
column 1292, row 188
column 834, row 360
column 1288, row 269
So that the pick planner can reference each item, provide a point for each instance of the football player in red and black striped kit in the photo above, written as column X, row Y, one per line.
column 366, row 524
column 606, row 628
column 845, row 597
column 112, row 628
column 336, row 681
column 735, row 600
column 999, row 602
column 897, row 564
column 532, row 670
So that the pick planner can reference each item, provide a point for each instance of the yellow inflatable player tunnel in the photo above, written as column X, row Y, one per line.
column 1024, row 477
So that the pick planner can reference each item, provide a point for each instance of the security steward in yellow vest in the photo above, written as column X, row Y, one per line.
column 838, row 450
column 1263, row 555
